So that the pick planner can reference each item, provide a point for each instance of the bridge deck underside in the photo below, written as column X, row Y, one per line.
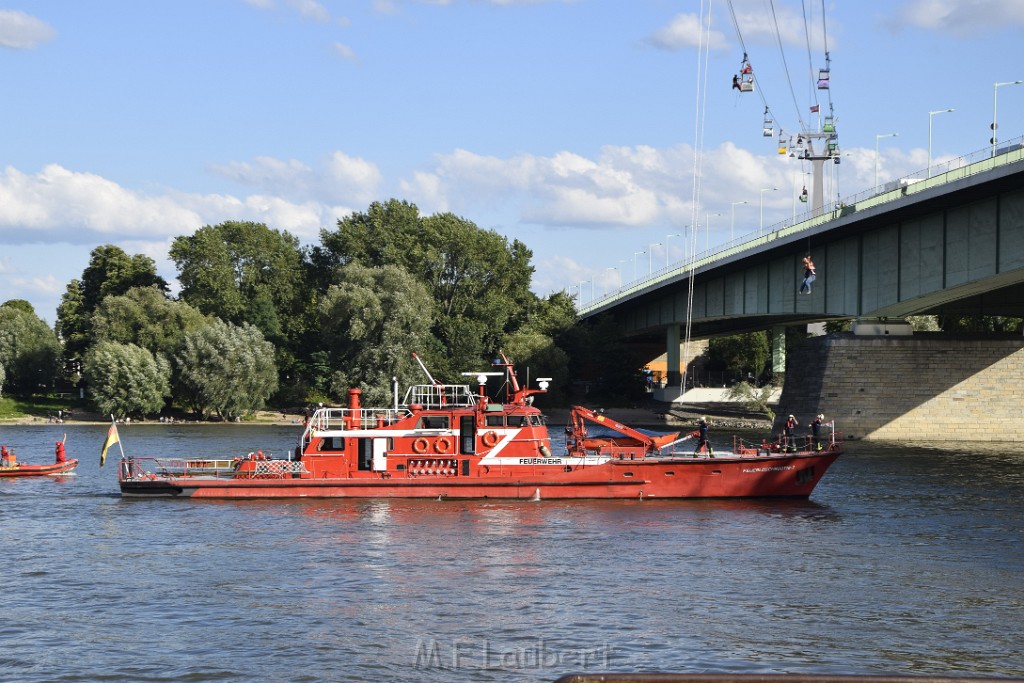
column 956, row 253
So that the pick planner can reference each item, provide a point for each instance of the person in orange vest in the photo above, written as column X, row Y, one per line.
column 788, row 428
column 59, row 451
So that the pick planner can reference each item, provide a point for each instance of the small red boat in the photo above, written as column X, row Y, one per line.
column 447, row 441
column 20, row 469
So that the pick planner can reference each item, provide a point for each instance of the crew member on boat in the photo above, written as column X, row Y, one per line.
column 5, row 456
column 59, row 451
column 790, row 439
column 702, row 438
column 816, row 430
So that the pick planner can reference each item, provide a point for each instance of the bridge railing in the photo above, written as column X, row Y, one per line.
column 937, row 175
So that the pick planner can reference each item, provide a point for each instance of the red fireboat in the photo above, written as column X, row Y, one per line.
column 446, row 441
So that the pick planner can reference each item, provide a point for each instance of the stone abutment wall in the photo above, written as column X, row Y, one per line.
column 924, row 387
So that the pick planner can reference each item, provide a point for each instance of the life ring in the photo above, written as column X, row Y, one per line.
column 443, row 445
column 420, row 445
column 490, row 438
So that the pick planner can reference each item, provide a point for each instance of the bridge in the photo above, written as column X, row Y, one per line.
column 949, row 242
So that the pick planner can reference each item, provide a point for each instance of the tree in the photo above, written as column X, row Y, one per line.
column 110, row 272
column 741, row 353
column 373, row 321
column 754, row 399
column 227, row 369
column 242, row 272
column 144, row 316
column 125, row 379
column 29, row 350
column 479, row 282
column 3, row 376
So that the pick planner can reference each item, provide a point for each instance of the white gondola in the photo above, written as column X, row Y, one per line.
column 769, row 125
column 823, row 79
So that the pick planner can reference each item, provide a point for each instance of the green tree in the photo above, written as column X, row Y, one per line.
column 477, row 279
column 125, row 379
column 22, row 304
column 110, row 272
column 3, row 376
column 144, row 316
column 373, row 321
column 242, row 272
column 741, row 353
column 227, row 370
column 29, row 350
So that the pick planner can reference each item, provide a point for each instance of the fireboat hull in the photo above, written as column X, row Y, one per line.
column 23, row 470
column 779, row 476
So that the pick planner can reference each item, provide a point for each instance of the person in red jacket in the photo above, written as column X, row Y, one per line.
column 59, row 451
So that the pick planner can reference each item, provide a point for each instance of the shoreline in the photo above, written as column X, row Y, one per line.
column 667, row 418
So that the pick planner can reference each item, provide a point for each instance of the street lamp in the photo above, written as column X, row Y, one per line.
column 667, row 237
column 930, row 115
column 732, row 217
column 760, row 228
column 650, row 256
column 606, row 279
column 995, row 92
column 877, row 138
column 635, row 254
column 707, row 229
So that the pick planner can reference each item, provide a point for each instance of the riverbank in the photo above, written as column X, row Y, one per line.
column 653, row 416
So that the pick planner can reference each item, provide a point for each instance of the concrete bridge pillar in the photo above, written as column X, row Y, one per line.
column 672, row 365
column 778, row 350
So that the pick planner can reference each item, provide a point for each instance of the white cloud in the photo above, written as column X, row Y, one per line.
column 345, row 52
column 58, row 205
column 684, row 30
column 22, row 31
column 962, row 17
column 311, row 9
column 341, row 178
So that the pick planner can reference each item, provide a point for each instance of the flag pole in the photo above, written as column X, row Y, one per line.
column 114, row 422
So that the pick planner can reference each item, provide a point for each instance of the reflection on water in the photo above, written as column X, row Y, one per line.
column 906, row 560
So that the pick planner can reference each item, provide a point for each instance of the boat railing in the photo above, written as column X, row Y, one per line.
column 326, row 419
column 440, row 396
column 147, row 467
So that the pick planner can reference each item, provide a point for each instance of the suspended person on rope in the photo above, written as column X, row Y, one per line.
column 736, row 82
column 810, row 275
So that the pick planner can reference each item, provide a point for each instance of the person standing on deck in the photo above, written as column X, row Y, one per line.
column 816, row 430
column 59, row 451
column 702, row 438
column 790, row 439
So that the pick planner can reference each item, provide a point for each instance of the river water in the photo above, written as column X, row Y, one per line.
column 906, row 560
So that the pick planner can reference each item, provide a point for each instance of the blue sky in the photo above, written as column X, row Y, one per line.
column 568, row 124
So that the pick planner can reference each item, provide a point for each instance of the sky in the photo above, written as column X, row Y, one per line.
column 575, row 126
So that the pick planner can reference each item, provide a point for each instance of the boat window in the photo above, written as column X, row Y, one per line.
column 516, row 420
column 433, row 422
column 495, row 421
column 331, row 443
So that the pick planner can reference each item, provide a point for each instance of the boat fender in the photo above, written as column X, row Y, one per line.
column 545, row 451
column 490, row 438
column 443, row 445
column 420, row 445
